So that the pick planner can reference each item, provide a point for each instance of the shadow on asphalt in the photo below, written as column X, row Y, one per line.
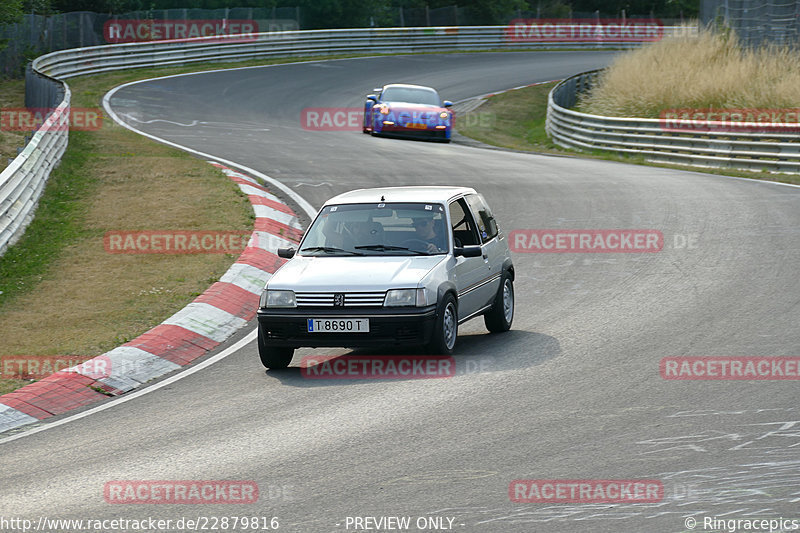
column 474, row 354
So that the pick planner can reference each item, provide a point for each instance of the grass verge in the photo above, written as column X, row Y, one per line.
column 706, row 70
column 60, row 292
column 513, row 119
column 12, row 95
column 516, row 120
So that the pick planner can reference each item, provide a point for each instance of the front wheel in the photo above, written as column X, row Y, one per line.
column 499, row 318
column 365, row 123
column 446, row 328
column 273, row 356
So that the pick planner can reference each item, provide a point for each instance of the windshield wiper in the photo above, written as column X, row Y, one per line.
column 328, row 249
column 385, row 247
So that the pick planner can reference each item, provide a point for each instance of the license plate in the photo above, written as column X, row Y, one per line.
column 416, row 126
column 338, row 325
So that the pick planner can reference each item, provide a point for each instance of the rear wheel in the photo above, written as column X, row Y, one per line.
column 273, row 356
column 502, row 313
column 446, row 328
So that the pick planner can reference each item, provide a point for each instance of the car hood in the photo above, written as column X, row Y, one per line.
column 356, row 273
column 419, row 108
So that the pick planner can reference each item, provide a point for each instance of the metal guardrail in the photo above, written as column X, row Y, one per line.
column 97, row 59
column 22, row 182
column 775, row 151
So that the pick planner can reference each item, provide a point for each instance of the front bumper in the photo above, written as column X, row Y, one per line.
column 387, row 327
column 402, row 131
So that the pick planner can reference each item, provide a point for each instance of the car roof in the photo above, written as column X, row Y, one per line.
column 423, row 194
column 408, row 86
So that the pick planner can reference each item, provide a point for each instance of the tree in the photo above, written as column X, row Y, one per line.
column 493, row 11
column 10, row 11
column 319, row 14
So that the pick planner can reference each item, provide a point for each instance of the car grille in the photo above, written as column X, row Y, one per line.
column 351, row 299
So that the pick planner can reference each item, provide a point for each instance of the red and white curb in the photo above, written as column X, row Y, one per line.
column 200, row 326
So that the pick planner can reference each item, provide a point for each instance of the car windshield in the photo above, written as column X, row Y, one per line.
column 411, row 95
column 378, row 229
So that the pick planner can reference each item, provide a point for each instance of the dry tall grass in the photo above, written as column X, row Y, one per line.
column 706, row 70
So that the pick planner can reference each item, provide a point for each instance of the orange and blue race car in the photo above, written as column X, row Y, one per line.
column 408, row 111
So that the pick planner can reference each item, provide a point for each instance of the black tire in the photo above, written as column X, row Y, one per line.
column 500, row 317
column 445, row 331
column 365, row 127
column 273, row 356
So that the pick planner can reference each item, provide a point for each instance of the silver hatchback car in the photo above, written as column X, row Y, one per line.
column 385, row 267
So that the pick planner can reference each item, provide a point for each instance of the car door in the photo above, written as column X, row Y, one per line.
column 493, row 250
column 470, row 273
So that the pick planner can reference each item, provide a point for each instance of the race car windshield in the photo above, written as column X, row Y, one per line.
column 378, row 229
column 411, row 95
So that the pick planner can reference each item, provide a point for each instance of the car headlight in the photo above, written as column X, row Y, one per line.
column 272, row 298
column 385, row 109
column 444, row 114
column 405, row 298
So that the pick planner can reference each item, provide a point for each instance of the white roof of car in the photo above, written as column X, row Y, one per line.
column 432, row 194
column 408, row 86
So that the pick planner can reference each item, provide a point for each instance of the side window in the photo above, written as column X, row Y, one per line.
column 487, row 227
column 464, row 231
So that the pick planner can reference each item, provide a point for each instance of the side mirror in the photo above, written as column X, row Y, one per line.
column 286, row 253
column 447, row 103
column 372, row 97
column 472, row 250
